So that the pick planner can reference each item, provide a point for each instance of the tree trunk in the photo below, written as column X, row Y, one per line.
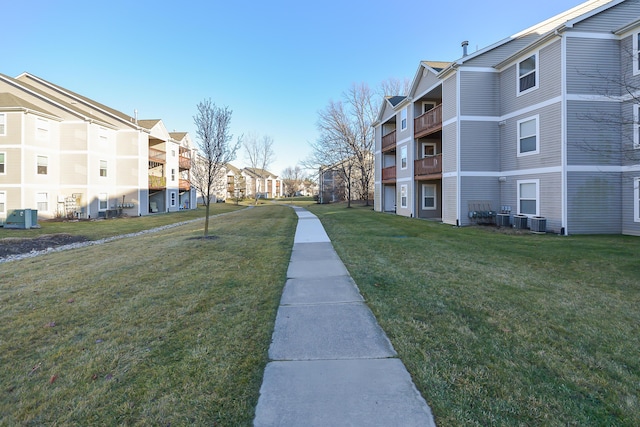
column 206, row 220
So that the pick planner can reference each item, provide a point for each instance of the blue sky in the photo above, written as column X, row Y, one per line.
column 275, row 64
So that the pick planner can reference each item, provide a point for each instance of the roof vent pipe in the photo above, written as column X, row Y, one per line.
column 464, row 47
column 135, row 115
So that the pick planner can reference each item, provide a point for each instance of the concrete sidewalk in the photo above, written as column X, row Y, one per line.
column 331, row 363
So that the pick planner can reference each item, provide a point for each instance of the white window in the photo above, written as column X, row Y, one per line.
column 403, row 119
column 42, row 129
column 636, row 199
column 636, row 54
column 103, row 168
column 3, row 163
column 403, row 157
column 528, row 197
column 428, row 149
column 528, row 131
column 429, row 196
column 43, row 165
column 528, row 74
column 427, row 106
column 102, row 135
column 3, row 124
column 636, row 126
column 103, row 201
column 173, row 174
column 42, row 202
column 173, row 198
column 403, row 196
column 3, row 202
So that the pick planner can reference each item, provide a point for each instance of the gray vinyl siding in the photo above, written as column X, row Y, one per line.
column 629, row 225
column 550, row 189
column 593, row 133
column 500, row 53
column 449, row 98
column 593, row 201
column 592, row 65
column 550, row 140
column 449, row 148
column 479, row 93
column 427, row 80
column 611, row 19
column 449, row 200
column 479, row 146
column 478, row 188
column 549, row 80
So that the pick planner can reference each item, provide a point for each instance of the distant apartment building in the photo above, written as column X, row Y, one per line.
column 69, row 156
column 542, row 124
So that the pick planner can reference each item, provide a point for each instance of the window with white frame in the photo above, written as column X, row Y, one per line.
column 103, row 201
column 3, row 163
column 429, row 196
column 103, row 168
column 528, row 74
column 403, row 119
column 636, row 126
column 427, row 106
column 42, row 202
column 42, row 129
column 403, row 157
column 528, row 197
column 528, row 131
column 173, row 198
column 636, row 54
column 636, row 199
column 403, row 196
column 3, row 202
column 3, row 124
column 43, row 165
column 173, row 174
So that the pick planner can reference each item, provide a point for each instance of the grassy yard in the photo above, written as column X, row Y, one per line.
column 162, row 329
column 99, row 229
column 499, row 329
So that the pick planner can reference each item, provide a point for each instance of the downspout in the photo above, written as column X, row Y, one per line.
column 458, row 192
column 563, row 132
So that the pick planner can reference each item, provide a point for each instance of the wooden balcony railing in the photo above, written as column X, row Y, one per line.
column 157, row 182
column 428, row 166
column 389, row 141
column 184, row 163
column 157, row 156
column 429, row 122
column 389, row 173
column 184, row 184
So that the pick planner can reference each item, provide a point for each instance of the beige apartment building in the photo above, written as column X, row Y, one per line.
column 69, row 156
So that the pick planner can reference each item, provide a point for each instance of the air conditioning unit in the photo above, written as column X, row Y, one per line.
column 520, row 221
column 503, row 220
column 22, row 219
column 538, row 224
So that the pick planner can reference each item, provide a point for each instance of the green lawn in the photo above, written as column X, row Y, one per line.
column 99, row 229
column 502, row 329
column 161, row 329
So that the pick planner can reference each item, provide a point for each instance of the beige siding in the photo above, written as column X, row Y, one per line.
column 449, row 200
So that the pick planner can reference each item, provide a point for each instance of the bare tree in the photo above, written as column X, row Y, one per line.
column 259, row 155
column 393, row 86
column 293, row 178
column 215, row 151
column 346, row 141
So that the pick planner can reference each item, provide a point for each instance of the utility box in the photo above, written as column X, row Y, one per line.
column 22, row 219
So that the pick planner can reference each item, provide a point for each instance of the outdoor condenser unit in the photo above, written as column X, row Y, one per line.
column 520, row 221
column 503, row 220
column 22, row 219
column 538, row 224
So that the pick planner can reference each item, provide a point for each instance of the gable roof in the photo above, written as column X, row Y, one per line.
column 259, row 173
column 9, row 101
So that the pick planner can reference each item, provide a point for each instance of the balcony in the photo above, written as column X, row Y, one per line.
column 184, row 163
column 184, row 185
column 157, row 182
column 389, row 141
column 428, row 123
column 157, row 156
column 389, row 174
column 428, row 167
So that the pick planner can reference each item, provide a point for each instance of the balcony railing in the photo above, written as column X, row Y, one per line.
column 157, row 182
column 184, row 162
column 428, row 166
column 389, row 141
column 184, row 184
column 157, row 156
column 429, row 122
column 389, row 173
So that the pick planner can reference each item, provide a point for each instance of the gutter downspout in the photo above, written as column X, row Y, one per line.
column 563, row 132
